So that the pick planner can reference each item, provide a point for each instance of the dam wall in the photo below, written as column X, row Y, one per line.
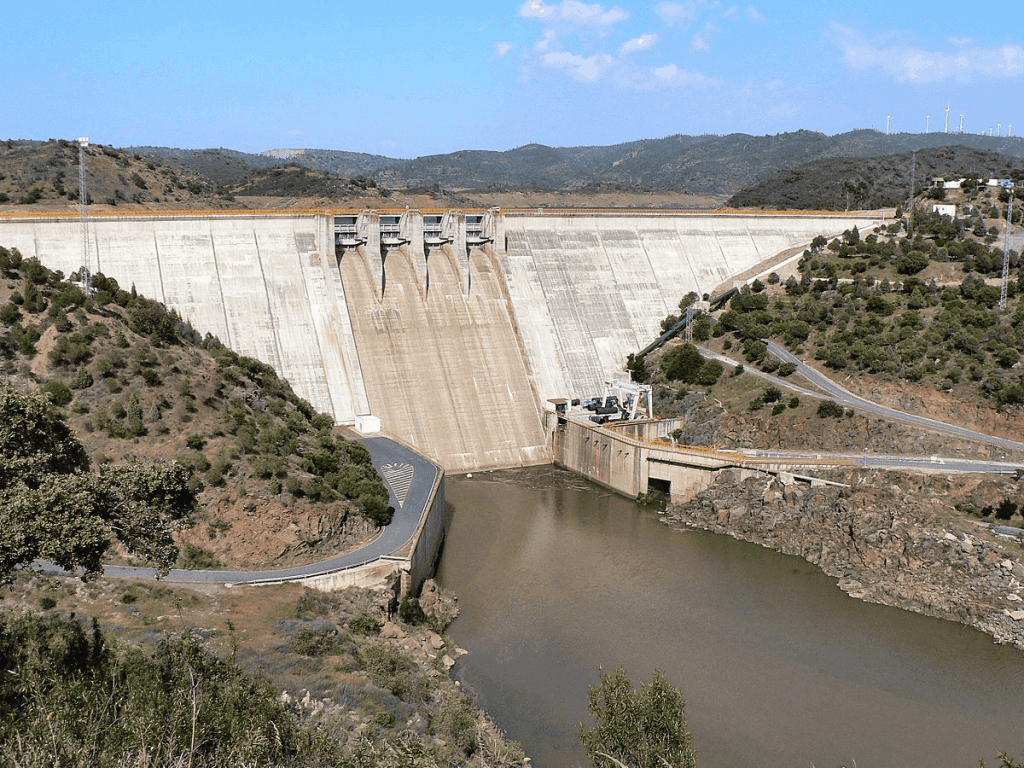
column 588, row 290
column 454, row 344
column 259, row 284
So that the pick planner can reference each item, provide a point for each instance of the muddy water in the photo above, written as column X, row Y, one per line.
column 557, row 578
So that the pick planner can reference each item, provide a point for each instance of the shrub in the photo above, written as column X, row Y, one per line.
column 830, row 409
column 58, row 392
column 316, row 638
column 709, row 373
column 365, row 623
column 195, row 442
column 410, row 611
column 195, row 558
column 83, row 379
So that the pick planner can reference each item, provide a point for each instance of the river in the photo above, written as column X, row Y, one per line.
column 557, row 577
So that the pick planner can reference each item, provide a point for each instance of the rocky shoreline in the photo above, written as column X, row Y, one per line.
column 893, row 538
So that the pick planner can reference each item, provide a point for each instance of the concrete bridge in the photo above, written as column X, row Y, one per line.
column 631, row 459
column 451, row 327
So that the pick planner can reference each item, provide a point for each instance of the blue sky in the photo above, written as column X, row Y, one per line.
column 415, row 78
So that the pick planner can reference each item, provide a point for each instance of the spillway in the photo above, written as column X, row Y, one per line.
column 456, row 348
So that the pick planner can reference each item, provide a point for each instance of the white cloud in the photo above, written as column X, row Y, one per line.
column 585, row 68
column 502, row 48
column 573, row 13
column 680, row 14
column 546, row 43
column 536, row 9
column 754, row 15
column 641, row 43
column 675, row 76
column 911, row 63
column 701, row 41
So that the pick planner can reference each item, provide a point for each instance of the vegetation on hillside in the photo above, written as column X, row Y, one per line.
column 915, row 302
column 48, row 173
column 859, row 183
column 79, row 694
column 53, row 507
column 134, row 380
column 772, row 171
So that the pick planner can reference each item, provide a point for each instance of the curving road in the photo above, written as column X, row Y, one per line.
column 409, row 479
column 846, row 398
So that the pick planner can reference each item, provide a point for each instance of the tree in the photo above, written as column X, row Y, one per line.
column 53, row 507
column 682, row 363
column 637, row 729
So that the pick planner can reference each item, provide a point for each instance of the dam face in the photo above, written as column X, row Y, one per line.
column 454, row 347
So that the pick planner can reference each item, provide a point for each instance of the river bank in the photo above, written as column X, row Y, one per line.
column 888, row 537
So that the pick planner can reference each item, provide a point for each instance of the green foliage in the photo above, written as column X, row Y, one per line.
column 58, row 392
column 52, row 507
column 316, row 638
column 390, row 669
column 83, row 379
column 410, row 612
column 151, row 319
column 79, row 700
column 193, row 558
column 365, row 623
column 830, row 409
column 455, row 722
column 638, row 729
column 709, row 373
column 637, row 367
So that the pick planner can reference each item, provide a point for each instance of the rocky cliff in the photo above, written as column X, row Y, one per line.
column 888, row 537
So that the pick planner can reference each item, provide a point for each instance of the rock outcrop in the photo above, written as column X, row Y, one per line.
column 888, row 537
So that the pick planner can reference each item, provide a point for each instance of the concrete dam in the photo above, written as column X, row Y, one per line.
column 453, row 328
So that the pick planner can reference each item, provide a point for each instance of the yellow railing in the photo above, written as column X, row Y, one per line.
column 73, row 213
column 734, row 457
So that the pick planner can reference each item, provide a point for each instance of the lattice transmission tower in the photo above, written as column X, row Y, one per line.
column 83, row 202
column 1007, row 242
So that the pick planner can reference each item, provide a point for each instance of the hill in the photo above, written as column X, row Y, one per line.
column 846, row 183
column 676, row 171
column 277, row 484
column 682, row 164
column 47, row 172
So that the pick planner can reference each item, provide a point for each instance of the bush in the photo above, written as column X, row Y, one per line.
column 316, row 638
column 193, row 558
column 58, row 392
column 410, row 611
column 365, row 623
column 830, row 409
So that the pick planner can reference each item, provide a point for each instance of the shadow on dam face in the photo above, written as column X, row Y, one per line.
column 458, row 371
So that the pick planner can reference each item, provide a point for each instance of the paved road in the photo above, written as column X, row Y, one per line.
column 409, row 478
column 847, row 399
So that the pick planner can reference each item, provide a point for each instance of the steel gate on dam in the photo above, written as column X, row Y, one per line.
column 452, row 327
